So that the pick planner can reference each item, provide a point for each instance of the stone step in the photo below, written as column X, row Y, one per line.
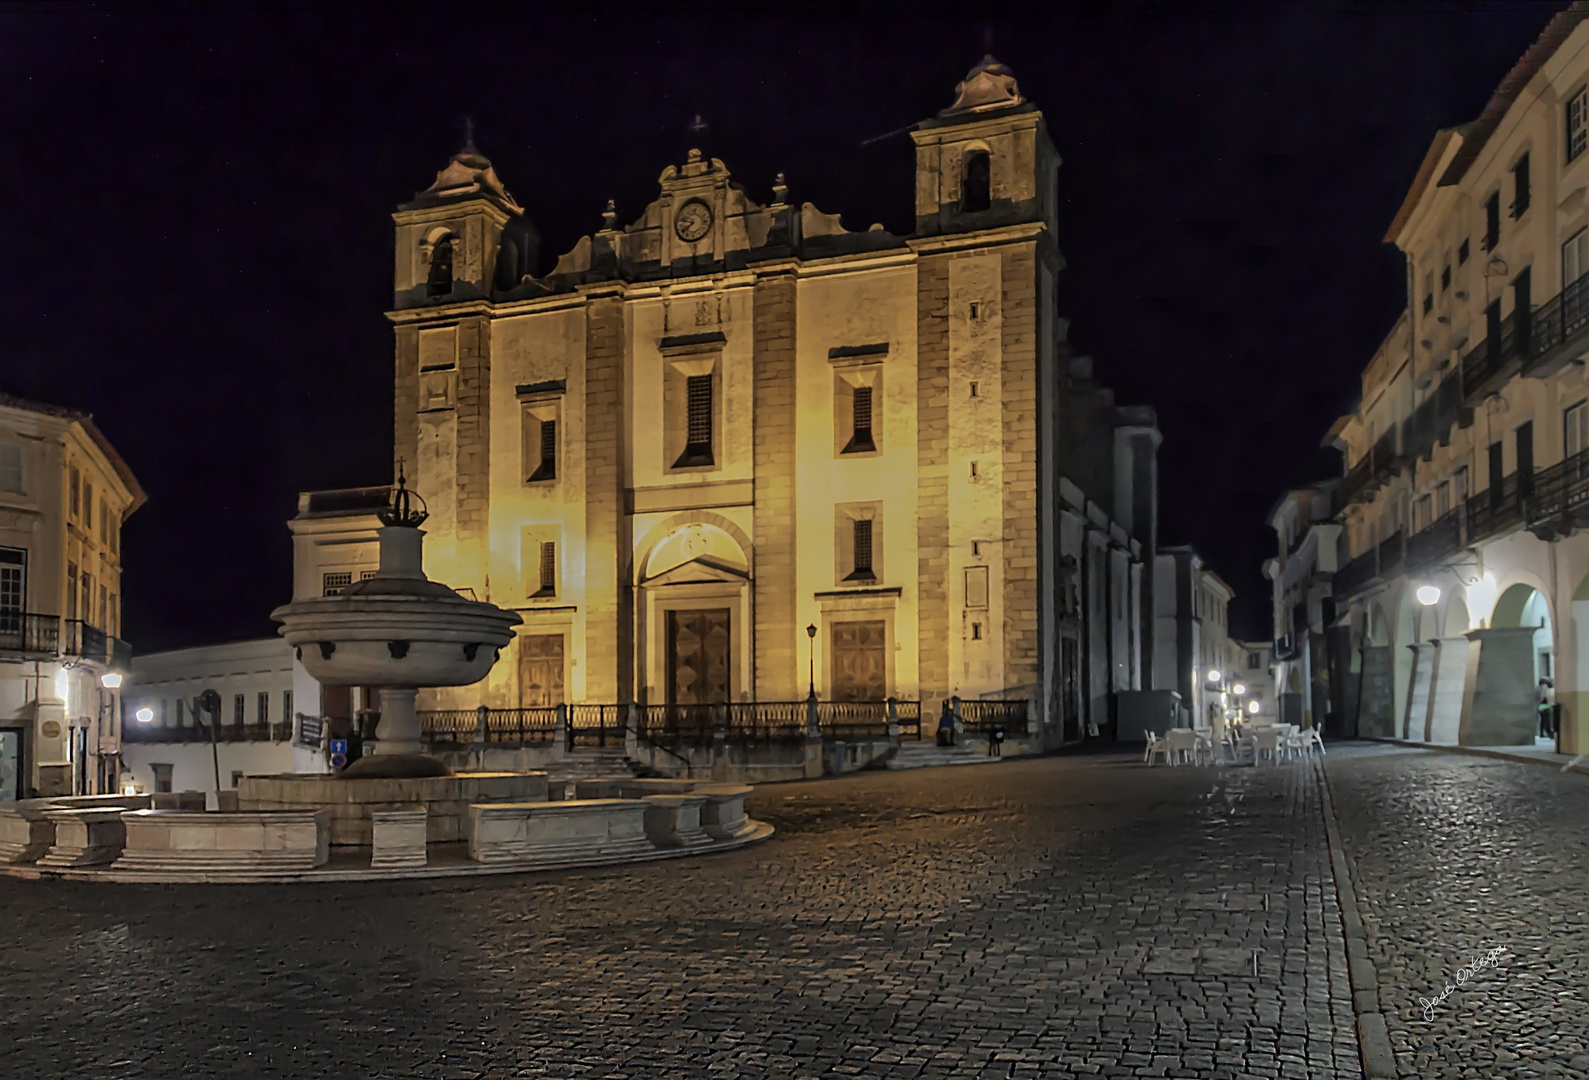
column 929, row 755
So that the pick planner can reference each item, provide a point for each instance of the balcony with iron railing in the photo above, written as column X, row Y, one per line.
column 29, row 636
column 135, row 732
column 1441, row 538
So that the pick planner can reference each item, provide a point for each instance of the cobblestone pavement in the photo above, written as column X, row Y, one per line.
column 1041, row 918
column 1454, row 856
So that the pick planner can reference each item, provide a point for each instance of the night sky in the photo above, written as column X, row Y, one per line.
column 199, row 246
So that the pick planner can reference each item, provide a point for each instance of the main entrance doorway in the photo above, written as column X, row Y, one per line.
column 859, row 661
column 698, row 660
column 540, row 670
column 10, row 765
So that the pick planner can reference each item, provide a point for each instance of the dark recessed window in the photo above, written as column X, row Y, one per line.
column 698, row 437
column 1445, row 278
column 1577, row 124
column 862, row 560
column 548, row 569
column 1492, row 221
column 1428, row 303
column 547, row 468
column 861, row 437
column 1520, row 189
column 332, row 584
column 976, row 185
column 440, row 281
column 1462, row 253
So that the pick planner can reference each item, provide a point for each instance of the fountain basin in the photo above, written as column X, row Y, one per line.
column 351, row 802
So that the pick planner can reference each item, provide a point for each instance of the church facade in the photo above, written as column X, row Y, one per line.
column 732, row 451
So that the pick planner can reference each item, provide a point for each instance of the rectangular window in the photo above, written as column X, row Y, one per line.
column 1445, row 277
column 1524, row 436
column 548, row 569
column 88, row 505
column 1462, row 252
column 1423, row 513
column 698, row 389
column 861, row 440
column 332, row 584
column 286, row 704
column 1497, row 462
column 73, row 479
column 1252, row 661
column 1577, row 128
column 1460, row 487
column 1575, row 257
column 976, row 631
column 1520, row 189
column 540, row 443
column 976, row 586
column 237, row 710
column 104, row 522
column 13, row 589
column 1492, row 221
column 113, row 615
column 162, row 776
column 11, row 467
column 86, row 608
column 862, row 558
column 1575, row 429
column 698, row 422
column 263, row 707
column 1442, row 499
column 71, row 590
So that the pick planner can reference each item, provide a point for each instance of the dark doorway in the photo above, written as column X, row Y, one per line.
column 698, row 657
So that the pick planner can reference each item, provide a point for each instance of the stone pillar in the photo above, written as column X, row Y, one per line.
column 398, row 732
column 932, row 475
column 777, row 625
column 1498, row 703
column 893, row 723
column 813, row 760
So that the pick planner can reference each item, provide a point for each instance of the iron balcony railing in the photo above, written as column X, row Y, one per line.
column 597, row 725
column 1384, row 456
column 531, row 726
column 1391, row 554
column 1558, row 321
column 1356, row 574
column 1560, row 502
column 1353, row 483
column 1441, row 538
column 984, row 715
column 136, row 732
column 1494, row 510
column 27, row 634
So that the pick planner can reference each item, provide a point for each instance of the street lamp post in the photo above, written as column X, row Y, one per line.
column 811, row 658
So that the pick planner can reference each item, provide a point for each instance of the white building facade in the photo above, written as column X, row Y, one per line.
column 1465, row 559
column 64, row 493
column 170, row 746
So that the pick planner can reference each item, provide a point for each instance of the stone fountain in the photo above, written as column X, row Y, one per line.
column 397, row 631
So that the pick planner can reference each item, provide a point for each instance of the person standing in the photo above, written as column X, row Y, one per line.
column 1545, row 696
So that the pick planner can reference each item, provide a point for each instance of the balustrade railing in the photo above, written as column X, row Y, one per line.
column 135, row 732
column 983, row 715
column 1441, row 538
column 28, row 634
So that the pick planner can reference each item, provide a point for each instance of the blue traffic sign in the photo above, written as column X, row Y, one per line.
column 338, row 760
column 339, row 746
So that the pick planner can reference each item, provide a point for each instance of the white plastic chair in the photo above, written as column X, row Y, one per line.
column 1156, row 747
column 1182, row 745
column 1266, row 740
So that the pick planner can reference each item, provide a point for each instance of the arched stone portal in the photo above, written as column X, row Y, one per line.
column 1515, row 651
column 695, row 614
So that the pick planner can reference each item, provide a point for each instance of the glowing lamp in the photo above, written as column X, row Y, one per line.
column 1428, row 595
column 1239, row 689
column 1213, row 675
column 1252, row 706
column 111, row 680
column 144, row 715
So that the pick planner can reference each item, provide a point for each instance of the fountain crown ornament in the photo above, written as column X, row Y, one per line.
column 402, row 513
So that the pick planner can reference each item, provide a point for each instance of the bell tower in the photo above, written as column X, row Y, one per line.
column 986, row 160
column 450, row 237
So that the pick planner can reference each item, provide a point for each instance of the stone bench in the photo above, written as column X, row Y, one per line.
column 398, row 837
column 91, row 836
column 192, row 841
column 674, row 821
column 640, row 787
column 575, row 830
column 353, row 802
column 723, row 813
column 599, row 789
column 25, row 833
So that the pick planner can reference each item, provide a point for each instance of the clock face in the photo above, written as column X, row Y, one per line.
column 693, row 221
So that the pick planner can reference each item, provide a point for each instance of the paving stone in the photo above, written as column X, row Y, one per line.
column 1038, row 918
